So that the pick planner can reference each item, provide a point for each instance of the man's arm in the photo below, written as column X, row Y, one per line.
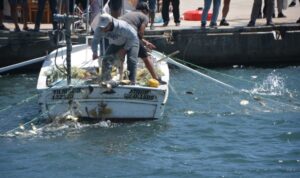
column 95, row 42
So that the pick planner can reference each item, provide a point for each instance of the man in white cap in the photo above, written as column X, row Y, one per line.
column 123, row 40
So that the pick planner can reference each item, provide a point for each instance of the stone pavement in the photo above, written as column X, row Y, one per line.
column 239, row 14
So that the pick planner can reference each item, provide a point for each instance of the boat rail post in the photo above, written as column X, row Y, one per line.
column 67, row 19
column 102, row 45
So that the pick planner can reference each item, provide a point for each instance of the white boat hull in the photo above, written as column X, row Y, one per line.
column 93, row 101
column 122, row 103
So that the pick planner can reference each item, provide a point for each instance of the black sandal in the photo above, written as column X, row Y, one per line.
column 26, row 29
column 17, row 30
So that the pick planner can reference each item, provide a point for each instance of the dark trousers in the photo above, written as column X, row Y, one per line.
column 1, row 5
column 41, row 7
column 165, row 11
column 257, row 8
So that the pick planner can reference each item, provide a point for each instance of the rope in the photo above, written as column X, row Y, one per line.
column 27, row 123
column 213, row 71
column 19, row 103
column 227, row 85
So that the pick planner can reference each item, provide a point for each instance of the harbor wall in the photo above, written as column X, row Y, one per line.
column 205, row 47
column 241, row 46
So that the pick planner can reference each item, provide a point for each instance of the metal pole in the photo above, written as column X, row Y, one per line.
column 21, row 64
column 69, row 44
column 87, row 17
column 73, row 13
column 123, row 9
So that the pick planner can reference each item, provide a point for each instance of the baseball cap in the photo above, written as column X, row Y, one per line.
column 101, row 20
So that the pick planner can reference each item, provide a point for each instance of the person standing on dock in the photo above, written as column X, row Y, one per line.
column 216, row 8
column 14, row 15
column 96, row 7
column 256, row 9
column 115, row 7
column 152, row 10
column 39, row 16
column 2, row 27
column 225, row 11
column 165, row 12
column 123, row 39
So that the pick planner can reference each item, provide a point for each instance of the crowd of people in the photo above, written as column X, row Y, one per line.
column 53, row 4
column 163, row 6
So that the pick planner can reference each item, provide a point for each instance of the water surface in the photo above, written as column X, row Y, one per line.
column 209, row 130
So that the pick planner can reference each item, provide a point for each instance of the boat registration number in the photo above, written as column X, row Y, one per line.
column 140, row 94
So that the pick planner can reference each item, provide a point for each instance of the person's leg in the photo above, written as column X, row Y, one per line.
column 108, row 61
column 25, row 14
column 1, row 12
column 216, row 9
column 265, row 9
column 14, row 15
column 176, row 13
column 132, row 56
column 143, row 55
column 207, row 4
column 225, row 11
column 255, row 12
column 71, row 6
column 83, row 3
column 279, row 8
column 39, row 15
column 152, row 9
column 53, row 8
column 115, row 8
column 2, row 27
column 165, row 12
column 270, row 11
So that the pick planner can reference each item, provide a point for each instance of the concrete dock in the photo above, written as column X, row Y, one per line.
column 235, row 44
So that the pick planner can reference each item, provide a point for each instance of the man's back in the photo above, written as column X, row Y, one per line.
column 135, row 19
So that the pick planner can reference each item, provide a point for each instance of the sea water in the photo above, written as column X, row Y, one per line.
column 251, row 129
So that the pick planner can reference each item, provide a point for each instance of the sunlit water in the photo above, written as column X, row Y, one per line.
column 208, row 130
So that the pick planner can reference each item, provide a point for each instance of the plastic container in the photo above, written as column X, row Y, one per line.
column 195, row 15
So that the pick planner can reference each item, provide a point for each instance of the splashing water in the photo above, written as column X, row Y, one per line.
column 273, row 85
column 55, row 128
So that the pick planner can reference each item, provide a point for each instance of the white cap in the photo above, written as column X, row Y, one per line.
column 102, row 21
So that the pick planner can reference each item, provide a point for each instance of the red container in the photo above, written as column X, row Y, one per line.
column 196, row 15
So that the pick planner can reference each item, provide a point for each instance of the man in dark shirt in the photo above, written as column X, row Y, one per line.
column 139, row 20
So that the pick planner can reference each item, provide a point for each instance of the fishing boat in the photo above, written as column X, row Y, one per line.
column 85, row 97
